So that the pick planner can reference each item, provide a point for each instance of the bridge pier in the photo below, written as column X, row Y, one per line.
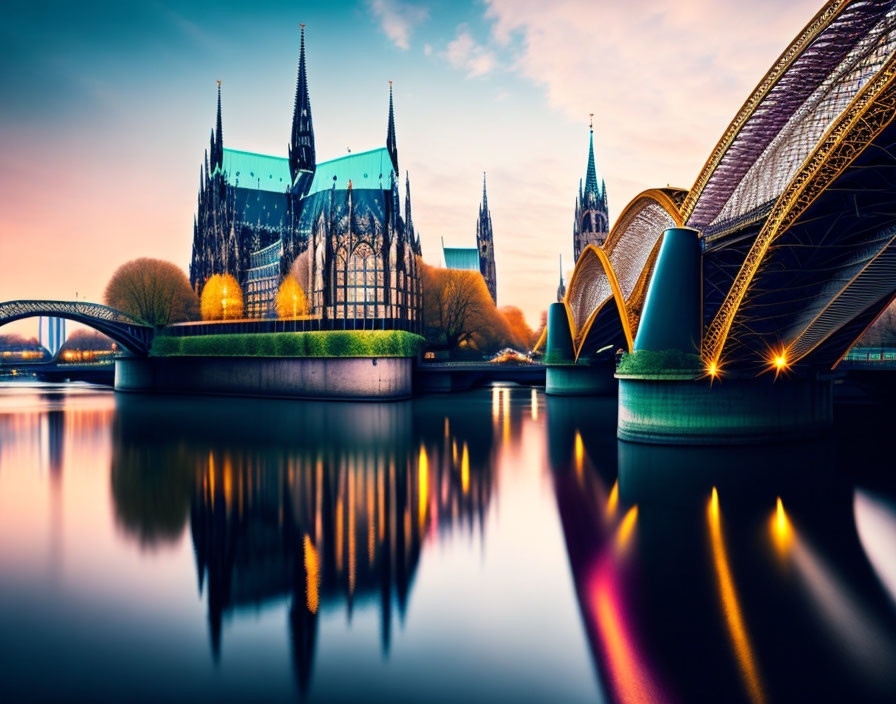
column 682, row 411
column 580, row 379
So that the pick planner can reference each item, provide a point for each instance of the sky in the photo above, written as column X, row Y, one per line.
column 107, row 106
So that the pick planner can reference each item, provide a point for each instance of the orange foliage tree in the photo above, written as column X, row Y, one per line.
column 291, row 301
column 458, row 312
column 152, row 290
column 523, row 336
column 222, row 298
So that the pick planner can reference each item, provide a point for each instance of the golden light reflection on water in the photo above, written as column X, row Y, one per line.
column 312, row 575
column 423, row 484
column 613, row 500
column 465, row 469
column 534, row 404
column 730, row 604
column 579, row 453
column 505, row 411
column 630, row 674
column 626, row 528
column 781, row 530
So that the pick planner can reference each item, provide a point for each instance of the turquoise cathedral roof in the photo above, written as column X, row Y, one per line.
column 366, row 170
column 466, row 258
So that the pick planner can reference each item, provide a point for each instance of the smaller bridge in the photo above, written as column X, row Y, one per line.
column 460, row 376
column 127, row 331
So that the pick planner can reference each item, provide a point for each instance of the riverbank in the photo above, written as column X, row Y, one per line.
column 338, row 365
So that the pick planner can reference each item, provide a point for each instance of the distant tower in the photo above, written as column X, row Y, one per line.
column 302, row 160
column 592, row 219
column 561, row 289
column 486, row 244
column 51, row 334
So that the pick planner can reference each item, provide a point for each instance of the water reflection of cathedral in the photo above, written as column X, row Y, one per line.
column 328, row 505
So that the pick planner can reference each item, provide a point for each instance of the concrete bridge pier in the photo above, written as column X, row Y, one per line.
column 564, row 376
column 667, row 397
column 728, row 412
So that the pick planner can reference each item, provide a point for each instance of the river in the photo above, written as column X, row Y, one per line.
column 496, row 545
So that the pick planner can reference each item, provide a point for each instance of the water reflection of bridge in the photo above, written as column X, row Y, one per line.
column 664, row 574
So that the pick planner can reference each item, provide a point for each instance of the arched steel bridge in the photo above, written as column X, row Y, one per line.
column 794, row 207
column 127, row 331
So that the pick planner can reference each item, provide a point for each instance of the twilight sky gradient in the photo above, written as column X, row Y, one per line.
column 106, row 109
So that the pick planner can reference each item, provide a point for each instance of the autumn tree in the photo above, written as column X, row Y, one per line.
column 152, row 290
column 87, row 341
column 458, row 312
column 222, row 298
column 291, row 301
column 523, row 336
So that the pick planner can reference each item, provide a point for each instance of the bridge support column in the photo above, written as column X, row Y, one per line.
column 691, row 411
column 563, row 375
column 580, row 379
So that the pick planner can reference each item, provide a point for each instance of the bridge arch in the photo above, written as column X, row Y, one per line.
column 620, row 270
column 127, row 331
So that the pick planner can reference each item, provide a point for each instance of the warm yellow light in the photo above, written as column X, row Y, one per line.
column 782, row 533
column 579, row 453
column 780, row 361
column 734, row 619
column 312, row 575
column 423, row 485
column 713, row 369
column 613, row 501
column 465, row 469
column 626, row 528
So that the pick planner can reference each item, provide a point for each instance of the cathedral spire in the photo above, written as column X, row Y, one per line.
column 391, row 144
column 409, row 226
column 561, row 289
column 591, row 185
column 484, row 195
column 302, row 159
column 218, row 155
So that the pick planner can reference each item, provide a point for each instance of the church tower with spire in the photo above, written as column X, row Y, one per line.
column 302, row 159
column 486, row 245
column 592, row 221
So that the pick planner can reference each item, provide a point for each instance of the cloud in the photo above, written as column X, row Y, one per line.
column 398, row 19
column 663, row 79
column 464, row 52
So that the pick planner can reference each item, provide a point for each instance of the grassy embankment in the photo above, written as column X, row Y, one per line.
column 337, row 343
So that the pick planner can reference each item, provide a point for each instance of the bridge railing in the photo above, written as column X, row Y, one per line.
column 871, row 354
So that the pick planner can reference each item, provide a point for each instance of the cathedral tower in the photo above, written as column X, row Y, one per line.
column 592, row 219
column 486, row 244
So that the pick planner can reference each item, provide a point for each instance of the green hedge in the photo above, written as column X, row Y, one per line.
column 659, row 362
column 360, row 343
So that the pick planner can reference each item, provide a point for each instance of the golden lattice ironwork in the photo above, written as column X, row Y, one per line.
column 856, row 127
column 815, row 27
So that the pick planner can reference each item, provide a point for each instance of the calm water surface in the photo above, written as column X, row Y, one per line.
column 490, row 546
